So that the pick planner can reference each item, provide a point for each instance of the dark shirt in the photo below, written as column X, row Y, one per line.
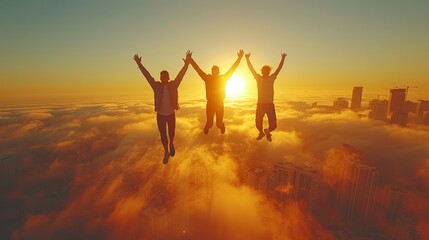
column 215, row 87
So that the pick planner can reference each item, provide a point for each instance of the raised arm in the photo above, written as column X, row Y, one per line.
column 280, row 65
column 197, row 68
column 182, row 72
column 235, row 65
column 146, row 74
column 249, row 64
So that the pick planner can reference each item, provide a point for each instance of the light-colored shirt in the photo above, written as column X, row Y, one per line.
column 265, row 89
column 165, row 107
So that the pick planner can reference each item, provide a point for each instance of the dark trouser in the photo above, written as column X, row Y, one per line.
column 261, row 110
column 163, row 121
column 213, row 107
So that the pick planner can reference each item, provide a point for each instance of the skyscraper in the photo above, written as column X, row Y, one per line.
column 410, row 106
column 398, row 222
column 400, row 118
column 396, row 107
column 394, row 205
column 157, row 217
column 306, row 186
column 199, row 177
column 290, row 182
column 422, row 107
column 257, row 179
column 356, row 98
column 378, row 109
column 341, row 103
column 281, row 182
column 396, row 100
column 356, row 191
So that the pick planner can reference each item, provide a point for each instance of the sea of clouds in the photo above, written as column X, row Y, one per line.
column 94, row 170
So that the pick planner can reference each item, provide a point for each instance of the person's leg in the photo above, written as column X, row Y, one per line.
column 219, row 116
column 171, row 121
column 272, row 118
column 272, row 121
column 259, row 116
column 162, row 128
column 209, row 115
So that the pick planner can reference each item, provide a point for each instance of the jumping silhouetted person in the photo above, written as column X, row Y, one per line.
column 215, row 92
column 166, row 102
column 265, row 104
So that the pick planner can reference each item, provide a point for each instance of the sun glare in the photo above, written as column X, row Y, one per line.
column 235, row 86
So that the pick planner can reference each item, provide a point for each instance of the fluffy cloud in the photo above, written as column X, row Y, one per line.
column 94, row 171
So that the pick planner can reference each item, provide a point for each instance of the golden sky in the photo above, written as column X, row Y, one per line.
column 83, row 49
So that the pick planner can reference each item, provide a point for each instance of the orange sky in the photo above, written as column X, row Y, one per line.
column 83, row 50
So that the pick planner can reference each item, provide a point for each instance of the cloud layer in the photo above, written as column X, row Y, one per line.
column 94, row 171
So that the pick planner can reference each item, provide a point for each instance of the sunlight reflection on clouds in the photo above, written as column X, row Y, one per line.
column 95, row 171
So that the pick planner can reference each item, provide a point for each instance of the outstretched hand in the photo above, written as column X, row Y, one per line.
column 137, row 58
column 188, row 57
column 240, row 53
column 247, row 55
column 284, row 55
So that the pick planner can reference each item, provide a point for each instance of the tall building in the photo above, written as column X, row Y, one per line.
column 410, row 106
column 306, row 186
column 393, row 208
column 406, row 229
column 378, row 109
column 199, row 178
column 356, row 98
column 398, row 223
column 281, row 182
column 257, row 179
column 290, row 182
column 400, row 118
column 341, row 103
column 159, row 224
column 356, row 191
column 396, row 107
column 396, row 100
column 422, row 107
column 200, row 183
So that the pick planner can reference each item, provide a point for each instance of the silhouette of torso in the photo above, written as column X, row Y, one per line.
column 265, row 88
column 166, row 108
column 160, row 89
column 215, row 87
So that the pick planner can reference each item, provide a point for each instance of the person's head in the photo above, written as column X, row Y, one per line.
column 266, row 70
column 164, row 76
column 215, row 70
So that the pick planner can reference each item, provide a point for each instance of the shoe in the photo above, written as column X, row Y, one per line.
column 260, row 136
column 206, row 130
column 222, row 129
column 268, row 135
column 166, row 157
column 172, row 151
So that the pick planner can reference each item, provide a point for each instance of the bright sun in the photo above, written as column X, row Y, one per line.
column 235, row 86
